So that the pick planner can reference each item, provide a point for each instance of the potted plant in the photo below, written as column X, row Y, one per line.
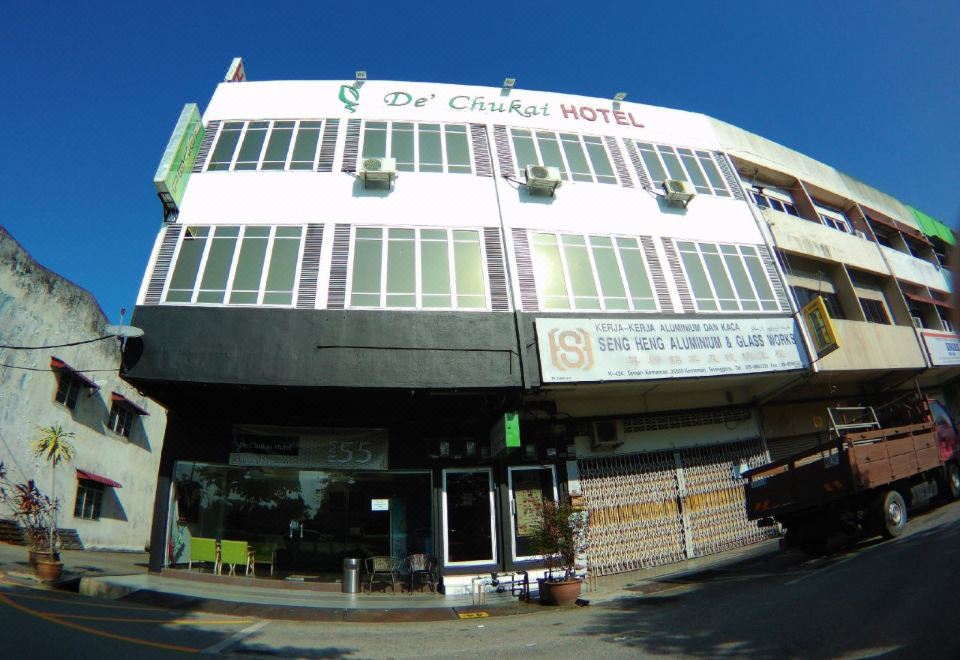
column 558, row 532
column 54, row 446
column 34, row 512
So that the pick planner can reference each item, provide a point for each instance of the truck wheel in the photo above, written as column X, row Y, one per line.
column 953, row 482
column 893, row 515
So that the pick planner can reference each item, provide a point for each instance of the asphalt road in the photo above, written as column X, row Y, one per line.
column 894, row 599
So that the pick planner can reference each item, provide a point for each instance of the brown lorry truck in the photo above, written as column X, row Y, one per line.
column 878, row 464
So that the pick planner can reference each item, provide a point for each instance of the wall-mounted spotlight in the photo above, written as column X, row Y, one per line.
column 617, row 98
column 508, row 83
column 361, row 76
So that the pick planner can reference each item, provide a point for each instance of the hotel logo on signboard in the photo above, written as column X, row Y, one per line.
column 570, row 349
column 821, row 326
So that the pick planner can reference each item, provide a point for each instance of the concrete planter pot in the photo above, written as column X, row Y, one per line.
column 49, row 570
column 564, row 592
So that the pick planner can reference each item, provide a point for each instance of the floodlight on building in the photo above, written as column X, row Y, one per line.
column 361, row 76
column 619, row 96
column 508, row 83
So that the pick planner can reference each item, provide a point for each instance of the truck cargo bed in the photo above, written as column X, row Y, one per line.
column 853, row 463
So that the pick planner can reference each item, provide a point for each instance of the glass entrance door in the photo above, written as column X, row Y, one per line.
column 529, row 487
column 468, row 517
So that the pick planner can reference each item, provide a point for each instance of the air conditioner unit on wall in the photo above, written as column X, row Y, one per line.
column 542, row 179
column 679, row 191
column 607, row 435
column 377, row 170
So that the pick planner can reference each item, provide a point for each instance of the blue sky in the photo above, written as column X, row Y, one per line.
column 91, row 91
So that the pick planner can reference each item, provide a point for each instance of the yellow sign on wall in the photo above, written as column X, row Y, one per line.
column 821, row 326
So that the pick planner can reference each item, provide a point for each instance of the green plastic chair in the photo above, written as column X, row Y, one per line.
column 202, row 549
column 234, row 553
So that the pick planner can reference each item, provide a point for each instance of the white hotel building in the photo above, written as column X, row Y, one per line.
column 364, row 282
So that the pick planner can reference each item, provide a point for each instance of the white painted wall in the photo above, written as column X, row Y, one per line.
column 866, row 345
column 767, row 153
column 810, row 238
column 908, row 267
column 39, row 308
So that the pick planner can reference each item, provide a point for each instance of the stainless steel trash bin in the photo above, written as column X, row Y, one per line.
column 351, row 576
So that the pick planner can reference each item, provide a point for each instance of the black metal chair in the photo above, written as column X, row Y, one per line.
column 424, row 567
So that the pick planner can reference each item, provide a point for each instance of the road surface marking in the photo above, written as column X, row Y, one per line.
column 100, row 633
column 822, row 570
column 235, row 638
column 168, row 622
column 472, row 615
column 75, row 600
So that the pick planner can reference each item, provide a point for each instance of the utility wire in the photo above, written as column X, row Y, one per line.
column 39, row 348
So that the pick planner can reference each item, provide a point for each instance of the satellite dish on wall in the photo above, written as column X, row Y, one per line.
column 123, row 331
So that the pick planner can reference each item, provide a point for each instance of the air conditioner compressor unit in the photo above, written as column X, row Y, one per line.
column 377, row 170
column 607, row 435
column 680, row 192
column 543, row 179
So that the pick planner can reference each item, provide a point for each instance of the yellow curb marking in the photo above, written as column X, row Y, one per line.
column 93, row 631
column 472, row 615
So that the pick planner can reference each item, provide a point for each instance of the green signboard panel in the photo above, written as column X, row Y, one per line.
column 505, row 434
column 179, row 156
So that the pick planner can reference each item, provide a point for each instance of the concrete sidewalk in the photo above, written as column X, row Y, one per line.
column 122, row 575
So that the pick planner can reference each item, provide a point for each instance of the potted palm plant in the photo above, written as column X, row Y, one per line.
column 55, row 447
column 558, row 532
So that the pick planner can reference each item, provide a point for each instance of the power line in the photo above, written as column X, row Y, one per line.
column 39, row 348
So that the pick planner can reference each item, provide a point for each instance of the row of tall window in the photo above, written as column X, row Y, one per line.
column 435, row 147
column 439, row 268
column 266, row 145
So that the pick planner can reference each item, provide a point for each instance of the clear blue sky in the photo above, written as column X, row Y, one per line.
column 90, row 91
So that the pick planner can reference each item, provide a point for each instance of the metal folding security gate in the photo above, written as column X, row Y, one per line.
column 660, row 507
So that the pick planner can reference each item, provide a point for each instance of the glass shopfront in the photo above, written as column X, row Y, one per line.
column 308, row 519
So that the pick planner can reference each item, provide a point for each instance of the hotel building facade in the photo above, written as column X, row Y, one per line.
column 390, row 317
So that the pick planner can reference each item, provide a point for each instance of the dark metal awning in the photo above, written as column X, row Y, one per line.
column 119, row 398
column 927, row 299
column 90, row 476
column 57, row 363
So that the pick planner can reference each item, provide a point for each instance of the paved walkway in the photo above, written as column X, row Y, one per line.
column 121, row 575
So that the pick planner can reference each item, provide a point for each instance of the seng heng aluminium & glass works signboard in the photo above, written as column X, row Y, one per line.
column 595, row 350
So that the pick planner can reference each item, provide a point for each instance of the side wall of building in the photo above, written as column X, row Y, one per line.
column 40, row 308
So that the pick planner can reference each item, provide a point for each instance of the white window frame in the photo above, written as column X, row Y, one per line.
column 833, row 218
column 446, row 524
column 726, row 269
column 513, row 504
column 567, row 174
column 267, row 258
column 271, row 124
column 418, row 273
column 444, row 164
column 571, row 298
column 683, row 165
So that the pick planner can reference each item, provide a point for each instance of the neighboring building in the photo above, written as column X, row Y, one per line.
column 107, row 491
column 364, row 286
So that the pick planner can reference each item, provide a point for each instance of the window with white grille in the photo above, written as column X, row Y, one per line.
column 726, row 277
column 578, row 157
column 604, row 273
column 417, row 268
column 683, row 164
column 280, row 144
column 419, row 147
